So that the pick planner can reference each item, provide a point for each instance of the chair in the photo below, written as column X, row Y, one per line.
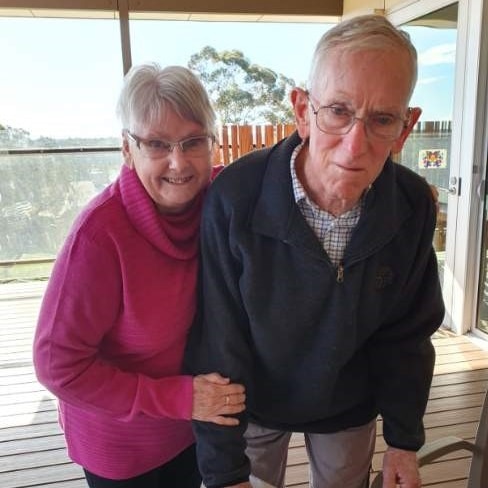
column 478, row 472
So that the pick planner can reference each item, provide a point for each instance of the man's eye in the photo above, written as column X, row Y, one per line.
column 158, row 144
column 383, row 120
column 339, row 111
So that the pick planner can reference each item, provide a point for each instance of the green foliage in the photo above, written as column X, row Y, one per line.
column 13, row 137
column 242, row 92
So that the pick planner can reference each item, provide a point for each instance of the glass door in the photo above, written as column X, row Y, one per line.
column 481, row 327
column 427, row 151
column 482, row 306
column 448, row 147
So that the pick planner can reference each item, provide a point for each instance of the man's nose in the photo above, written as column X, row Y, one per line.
column 356, row 139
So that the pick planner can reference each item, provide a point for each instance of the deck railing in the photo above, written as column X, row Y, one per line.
column 237, row 140
column 43, row 189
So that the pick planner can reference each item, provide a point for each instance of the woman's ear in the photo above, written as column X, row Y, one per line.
column 299, row 100
column 414, row 115
column 126, row 153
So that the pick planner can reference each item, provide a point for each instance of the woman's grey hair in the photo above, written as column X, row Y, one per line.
column 148, row 91
column 360, row 33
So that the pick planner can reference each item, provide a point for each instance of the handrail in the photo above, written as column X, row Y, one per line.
column 6, row 264
column 56, row 150
column 234, row 141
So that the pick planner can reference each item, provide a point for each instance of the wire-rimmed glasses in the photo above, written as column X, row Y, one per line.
column 196, row 146
column 336, row 119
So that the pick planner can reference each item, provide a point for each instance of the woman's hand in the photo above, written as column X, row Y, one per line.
column 215, row 397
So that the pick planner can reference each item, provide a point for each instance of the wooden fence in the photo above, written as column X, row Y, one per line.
column 237, row 140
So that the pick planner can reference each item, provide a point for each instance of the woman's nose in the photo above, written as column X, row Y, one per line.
column 176, row 158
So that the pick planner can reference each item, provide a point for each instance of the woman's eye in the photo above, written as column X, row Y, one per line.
column 194, row 143
column 158, row 144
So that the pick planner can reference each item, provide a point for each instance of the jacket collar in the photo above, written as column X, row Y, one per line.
column 276, row 214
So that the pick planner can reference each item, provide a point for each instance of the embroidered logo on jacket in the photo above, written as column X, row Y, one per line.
column 384, row 277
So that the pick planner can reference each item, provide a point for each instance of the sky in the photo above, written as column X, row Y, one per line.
column 61, row 77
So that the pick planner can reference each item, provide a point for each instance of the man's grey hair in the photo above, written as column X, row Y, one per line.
column 365, row 32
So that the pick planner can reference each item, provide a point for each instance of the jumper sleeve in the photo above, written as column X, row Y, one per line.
column 80, row 309
column 401, row 352
column 219, row 341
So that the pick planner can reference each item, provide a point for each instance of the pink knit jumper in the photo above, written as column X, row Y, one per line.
column 112, row 330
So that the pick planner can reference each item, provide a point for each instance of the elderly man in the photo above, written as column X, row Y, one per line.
column 320, row 288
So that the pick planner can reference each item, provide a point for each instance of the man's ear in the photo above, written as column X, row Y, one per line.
column 415, row 113
column 299, row 100
column 126, row 154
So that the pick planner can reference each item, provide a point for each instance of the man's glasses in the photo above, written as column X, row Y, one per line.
column 195, row 147
column 337, row 120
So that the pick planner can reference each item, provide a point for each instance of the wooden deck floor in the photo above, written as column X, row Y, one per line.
column 32, row 452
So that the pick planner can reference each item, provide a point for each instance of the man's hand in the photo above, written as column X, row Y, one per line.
column 215, row 397
column 400, row 468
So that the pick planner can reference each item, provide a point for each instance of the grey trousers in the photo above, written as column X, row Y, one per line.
column 341, row 459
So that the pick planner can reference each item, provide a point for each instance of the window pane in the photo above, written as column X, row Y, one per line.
column 60, row 80
column 427, row 150
column 60, row 76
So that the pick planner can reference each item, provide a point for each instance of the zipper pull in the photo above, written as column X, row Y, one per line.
column 340, row 273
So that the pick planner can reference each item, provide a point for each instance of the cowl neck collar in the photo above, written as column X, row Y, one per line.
column 173, row 234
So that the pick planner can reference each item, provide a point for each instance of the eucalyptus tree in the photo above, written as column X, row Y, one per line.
column 243, row 92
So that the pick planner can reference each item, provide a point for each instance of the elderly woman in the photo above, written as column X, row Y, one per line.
column 121, row 298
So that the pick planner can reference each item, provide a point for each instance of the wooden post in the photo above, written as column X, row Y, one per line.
column 289, row 129
column 245, row 139
column 225, row 144
column 259, row 137
column 279, row 132
column 269, row 138
column 234, row 142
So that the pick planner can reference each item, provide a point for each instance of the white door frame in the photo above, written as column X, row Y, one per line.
column 468, row 148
